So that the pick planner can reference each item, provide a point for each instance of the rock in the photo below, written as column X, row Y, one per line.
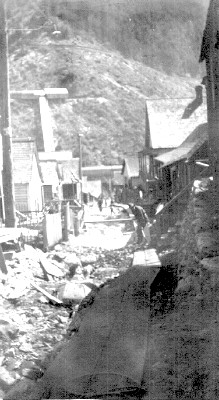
column 106, row 273
column 11, row 363
column 50, row 267
column 26, row 347
column 31, row 370
column 185, row 285
column 89, row 259
column 200, row 224
column 43, row 299
column 17, row 289
column 87, row 270
column 207, row 243
column 73, row 292
column 33, row 374
column 201, row 186
column 8, row 330
column 62, row 319
column 58, row 247
column 25, row 389
column 211, row 264
column 74, row 269
column 10, row 352
column 6, row 379
column 59, row 256
column 72, row 259
column 9, row 255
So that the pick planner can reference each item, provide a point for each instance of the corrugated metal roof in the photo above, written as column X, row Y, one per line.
column 49, row 171
column 23, row 153
column 65, row 155
column 185, row 151
column 101, row 171
column 69, row 170
column 102, row 168
column 167, row 128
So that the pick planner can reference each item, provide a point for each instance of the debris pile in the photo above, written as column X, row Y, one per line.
column 38, row 295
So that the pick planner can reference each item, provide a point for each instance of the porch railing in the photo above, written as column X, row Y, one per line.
column 172, row 211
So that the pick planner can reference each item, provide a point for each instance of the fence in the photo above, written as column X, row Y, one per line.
column 29, row 219
column 172, row 211
column 73, row 220
column 47, row 225
column 52, row 230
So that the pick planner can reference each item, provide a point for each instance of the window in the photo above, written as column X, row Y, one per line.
column 47, row 191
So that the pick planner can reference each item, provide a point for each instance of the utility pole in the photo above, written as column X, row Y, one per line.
column 5, row 122
column 80, row 165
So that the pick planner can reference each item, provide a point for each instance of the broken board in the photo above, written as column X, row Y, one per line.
column 148, row 259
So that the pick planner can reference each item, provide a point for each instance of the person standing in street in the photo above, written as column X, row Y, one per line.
column 100, row 202
column 143, row 224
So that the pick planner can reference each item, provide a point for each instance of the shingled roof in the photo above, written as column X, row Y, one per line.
column 50, row 172
column 23, row 152
column 167, row 128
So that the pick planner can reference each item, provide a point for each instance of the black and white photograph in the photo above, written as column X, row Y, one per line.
column 109, row 199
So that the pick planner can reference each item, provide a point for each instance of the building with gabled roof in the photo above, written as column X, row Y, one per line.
column 188, row 147
column 27, row 175
column 69, row 174
column 51, row 180
column 130, row 170
column 166, row 128
column 178, row 168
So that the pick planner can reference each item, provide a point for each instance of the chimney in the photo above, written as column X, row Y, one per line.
column 147, row 130
column 46, row 124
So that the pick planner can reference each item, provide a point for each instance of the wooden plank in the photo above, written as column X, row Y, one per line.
column 147, row 258
column 26, row 94
column 6, row 237
column 101, row 221
column 3, row 267
column 48, row 266
column 45, row 293
column 146, row 262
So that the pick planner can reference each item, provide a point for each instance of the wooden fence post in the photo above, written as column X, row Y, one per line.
column 66, row 222
column 3, row 266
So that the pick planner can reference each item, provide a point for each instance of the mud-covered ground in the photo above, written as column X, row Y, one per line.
column 31, row 325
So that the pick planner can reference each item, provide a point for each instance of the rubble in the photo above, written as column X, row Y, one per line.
column 73, row 292
column 33, row 319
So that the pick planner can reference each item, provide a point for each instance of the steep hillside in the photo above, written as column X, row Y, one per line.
column 163, row 34
column 107, row 91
